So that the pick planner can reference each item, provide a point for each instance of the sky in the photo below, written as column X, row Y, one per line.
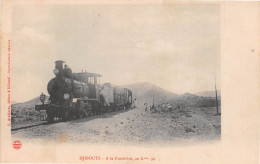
column 176, row 47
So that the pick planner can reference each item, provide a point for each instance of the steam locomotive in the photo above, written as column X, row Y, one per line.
column 77, row 95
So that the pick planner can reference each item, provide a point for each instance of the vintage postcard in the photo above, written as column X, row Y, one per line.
column 129, row 82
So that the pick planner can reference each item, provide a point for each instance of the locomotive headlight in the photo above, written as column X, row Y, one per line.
column 42, row 97
column 55, row 71
column 66, row 96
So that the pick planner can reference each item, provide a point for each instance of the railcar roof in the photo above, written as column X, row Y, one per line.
column 90, row 74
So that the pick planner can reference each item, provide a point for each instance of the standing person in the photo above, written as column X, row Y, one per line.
column 169, row 107
column 146, row 107
column 135, row 103
column 163, row 107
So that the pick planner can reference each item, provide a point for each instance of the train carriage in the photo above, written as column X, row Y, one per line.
column 116, row 97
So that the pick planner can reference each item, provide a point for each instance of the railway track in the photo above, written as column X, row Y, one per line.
column 85, row 118
column 26, row 127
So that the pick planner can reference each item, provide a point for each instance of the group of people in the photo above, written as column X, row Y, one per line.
column 165, row 107
column 147, row 108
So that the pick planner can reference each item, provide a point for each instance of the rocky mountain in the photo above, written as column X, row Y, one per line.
column 33, row 101
column 188, row 99
column 208, row 93
column 146, row 92
column 25, row 112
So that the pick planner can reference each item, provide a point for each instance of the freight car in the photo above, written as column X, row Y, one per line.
column 77, row 95
column 116, row 98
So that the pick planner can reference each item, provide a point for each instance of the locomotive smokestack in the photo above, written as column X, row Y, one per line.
column 58, row 68
column 58, row 64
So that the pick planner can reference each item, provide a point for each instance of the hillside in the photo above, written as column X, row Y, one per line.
column 144, row 92
column 208, row 93
column 25, row 113
column 188, row 99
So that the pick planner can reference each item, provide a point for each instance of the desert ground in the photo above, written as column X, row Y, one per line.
column 135, row 126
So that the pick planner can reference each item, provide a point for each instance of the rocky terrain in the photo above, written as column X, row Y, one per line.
column 24, row 114
column 133, row 127
column 144, row 93
column 193, row 117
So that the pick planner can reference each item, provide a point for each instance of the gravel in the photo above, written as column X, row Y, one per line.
column 132, row 127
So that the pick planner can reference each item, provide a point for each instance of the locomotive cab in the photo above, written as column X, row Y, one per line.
column 92, row 80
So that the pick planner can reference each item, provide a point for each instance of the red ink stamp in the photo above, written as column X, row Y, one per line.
column 17, row 144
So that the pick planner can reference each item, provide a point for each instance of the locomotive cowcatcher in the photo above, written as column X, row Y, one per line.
column 77, row 95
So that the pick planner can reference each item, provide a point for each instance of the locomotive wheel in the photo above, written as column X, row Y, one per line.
column 101, row 107
column 89, row 110
column 81, row 114
column 64, row 118
column 67, row 116
column 50, row 118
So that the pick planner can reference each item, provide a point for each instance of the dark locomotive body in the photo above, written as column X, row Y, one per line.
column 76, row 95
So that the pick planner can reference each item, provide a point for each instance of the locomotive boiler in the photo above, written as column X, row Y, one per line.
column 76, row 95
